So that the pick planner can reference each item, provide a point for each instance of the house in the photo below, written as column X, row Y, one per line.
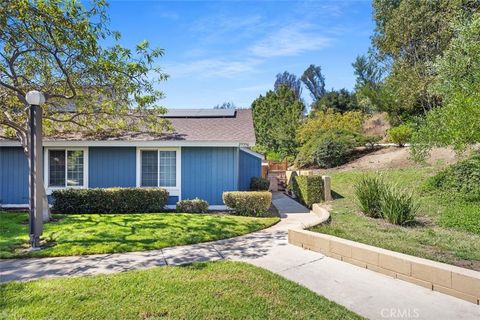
column 208, row 153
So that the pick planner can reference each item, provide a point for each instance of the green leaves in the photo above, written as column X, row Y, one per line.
column 369, row 192
column 57, row 47
column 113, row 200
column 276, row 117
column 457, row 123
column 308, row 189
column 328, row 137
column 400, row 135
column 409, row 37
column 378, row 199
column 249, row 203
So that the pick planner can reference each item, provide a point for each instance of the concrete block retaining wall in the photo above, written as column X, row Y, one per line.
column 455, row 281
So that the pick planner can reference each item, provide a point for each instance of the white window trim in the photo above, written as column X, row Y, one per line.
column 173, row 191
column 46, row 169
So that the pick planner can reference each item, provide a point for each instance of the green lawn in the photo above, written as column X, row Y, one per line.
column 215, row 290
column 448, row 228
column 108, row 233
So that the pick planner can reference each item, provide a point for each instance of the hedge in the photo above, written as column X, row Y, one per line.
column 112, row 200
column 249, row 203
column 192, row 206
column 308, row 189
column 259, row 184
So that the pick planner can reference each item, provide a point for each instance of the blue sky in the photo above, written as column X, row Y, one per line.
column 220, row 51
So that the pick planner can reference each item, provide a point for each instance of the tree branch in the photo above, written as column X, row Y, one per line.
column 20, row 93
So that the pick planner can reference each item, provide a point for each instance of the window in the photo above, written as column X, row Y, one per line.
column 168, row 167
column 66, row 168
column 158, row 168
column 149, row 168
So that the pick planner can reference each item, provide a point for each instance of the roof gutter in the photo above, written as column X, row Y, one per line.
column 134, row 143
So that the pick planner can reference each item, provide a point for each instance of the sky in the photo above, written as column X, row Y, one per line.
column 219, row 51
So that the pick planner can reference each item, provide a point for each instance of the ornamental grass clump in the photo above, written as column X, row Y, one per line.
column 398, row 206
column 369, row 191
column 378, row 199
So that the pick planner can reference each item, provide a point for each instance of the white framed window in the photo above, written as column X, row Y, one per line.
column 159, row 167
column 66, row 168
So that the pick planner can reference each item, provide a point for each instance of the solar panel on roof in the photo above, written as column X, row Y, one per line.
column 199, row 113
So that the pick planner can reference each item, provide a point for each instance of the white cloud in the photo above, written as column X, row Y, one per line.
column 212, row 67
column 289, row 41
column 216, row 26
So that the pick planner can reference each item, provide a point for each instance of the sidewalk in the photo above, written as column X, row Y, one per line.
column 367, row 293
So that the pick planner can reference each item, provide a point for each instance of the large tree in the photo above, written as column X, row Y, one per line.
column 291, row 81
column 457, row 123
column 56, row 47
column 368, row 85
column 339, row 100
column 409, row 36
column 314, row 80
column 276, row 117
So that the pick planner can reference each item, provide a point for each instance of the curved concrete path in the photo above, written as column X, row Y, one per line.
column 367, row 293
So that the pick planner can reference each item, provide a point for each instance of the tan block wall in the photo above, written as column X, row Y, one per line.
column 455, row 281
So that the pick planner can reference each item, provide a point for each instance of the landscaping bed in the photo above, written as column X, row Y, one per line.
column 79, row 234
column 446, row 227
column 215, row 290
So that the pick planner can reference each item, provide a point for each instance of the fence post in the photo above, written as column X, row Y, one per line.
column 327, row 188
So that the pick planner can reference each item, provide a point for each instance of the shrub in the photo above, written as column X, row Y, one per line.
column 259, row 184
column 249, row 203
column 113, row 200
column 369, row 192
column 397, row 206
column 462, row 177
column 370, row 141
column 400, row 135
column 192, row 206
column 327, row 138
column 308, row 189
column 329, row 120
column 331, row 153
column 328, row 148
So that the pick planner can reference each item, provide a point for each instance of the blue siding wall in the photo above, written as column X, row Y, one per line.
column 13, row 176
column 249, row 166
column 206, row 172
column 172, row 200
column 111, row 167
column 209, row 171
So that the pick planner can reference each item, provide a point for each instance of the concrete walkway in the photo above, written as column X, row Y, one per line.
column 367, row 293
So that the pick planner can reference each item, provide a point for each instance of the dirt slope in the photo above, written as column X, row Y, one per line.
column 394, row 157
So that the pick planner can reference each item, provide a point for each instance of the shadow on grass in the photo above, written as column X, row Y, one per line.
column 97, row 234
column 336, row 195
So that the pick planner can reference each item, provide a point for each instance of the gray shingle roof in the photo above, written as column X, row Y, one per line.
column 236, row 128
column 196, row 125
